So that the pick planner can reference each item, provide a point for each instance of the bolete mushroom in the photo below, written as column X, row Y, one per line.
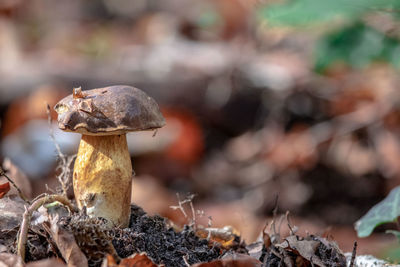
column 102, row 176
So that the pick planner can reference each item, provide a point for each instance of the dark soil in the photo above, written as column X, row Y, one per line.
column 162, row 244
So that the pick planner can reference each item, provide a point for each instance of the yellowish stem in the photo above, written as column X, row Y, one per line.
column 103, row 178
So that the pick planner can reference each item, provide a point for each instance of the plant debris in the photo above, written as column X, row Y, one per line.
column 53, row 227
column 66, row 244
column 151, row 241
column 295, row 250
column 4, row 188
column 137, row 259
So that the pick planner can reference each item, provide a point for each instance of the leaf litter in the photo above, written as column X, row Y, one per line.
column 153, row 241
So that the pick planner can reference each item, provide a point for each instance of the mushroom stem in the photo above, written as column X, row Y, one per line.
column 103, row 178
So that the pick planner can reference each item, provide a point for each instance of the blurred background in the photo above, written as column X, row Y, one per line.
column 288, row 104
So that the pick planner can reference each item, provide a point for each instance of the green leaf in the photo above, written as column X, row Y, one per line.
column 303, row 12
column 357, row 45
column 384, row 212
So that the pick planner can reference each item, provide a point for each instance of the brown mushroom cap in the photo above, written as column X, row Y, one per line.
column 109, row 111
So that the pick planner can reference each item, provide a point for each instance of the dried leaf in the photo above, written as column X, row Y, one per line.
column 4, row 188
column 266, row 238
column 66, row 244
column 256, row 249
column 47, row 263
column 109, row 261
column 135, row 260
column 303, row 247
column 10, row 260
column 235, row 260
column 226, row 236
column 11, row 210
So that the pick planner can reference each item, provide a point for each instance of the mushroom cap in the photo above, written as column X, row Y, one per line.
column 110, row 110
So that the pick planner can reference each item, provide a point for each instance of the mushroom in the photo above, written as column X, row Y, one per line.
column 102, row 177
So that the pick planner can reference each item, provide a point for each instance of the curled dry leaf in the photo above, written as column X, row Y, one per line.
column 313, row 250
column 305, row 248
column 65, row 242
column 10, row 260
column 136, row 260
column 235, row 260
column 4, row 188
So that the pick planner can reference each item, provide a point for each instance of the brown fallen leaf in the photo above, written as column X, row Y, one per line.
column 235, row 260
column 92, row 236
column 135, row 260
column 309, row 249
column 305, row 248
column 66, row 244
column 4, row 188
column 10, row 260
column 11, row 210
column 47, row 263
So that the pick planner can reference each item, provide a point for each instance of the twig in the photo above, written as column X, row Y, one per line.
column 185, row 260
column 188, row 199
column 21, row 195
column 180, row 207
column 193, row 224
column 23, row 230
column 292, row 231
column 209, row 224
column 66, row 161
column 353, row 254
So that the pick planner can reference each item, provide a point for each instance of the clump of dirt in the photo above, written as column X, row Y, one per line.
column 162, row 244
